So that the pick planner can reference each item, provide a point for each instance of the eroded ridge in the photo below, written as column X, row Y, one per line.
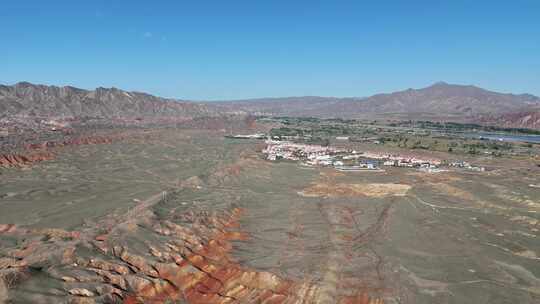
column 24, row 159
column 184, row 257
column 31, row 153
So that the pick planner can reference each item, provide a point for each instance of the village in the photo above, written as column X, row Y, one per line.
column 351, row 160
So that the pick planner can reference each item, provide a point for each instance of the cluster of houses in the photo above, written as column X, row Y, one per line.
column 364, row 165
column 248, row 136
column 351, row 160
column 276, row 150
column 466, row 165
column 402, row 160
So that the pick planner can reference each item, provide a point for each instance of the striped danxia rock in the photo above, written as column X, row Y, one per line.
column 21, row 160
column 208, row 274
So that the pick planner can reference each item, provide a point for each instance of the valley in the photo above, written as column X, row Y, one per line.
column 270, row 152
column 193, row 215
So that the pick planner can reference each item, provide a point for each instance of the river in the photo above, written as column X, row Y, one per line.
column 505, row 137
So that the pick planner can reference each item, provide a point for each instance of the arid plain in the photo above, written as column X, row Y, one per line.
column 202, row 218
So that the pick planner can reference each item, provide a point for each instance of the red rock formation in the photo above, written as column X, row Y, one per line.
column 21, row 160
column 27, row 158
column 81, row 140
column 192, row 262
column 206, row 274
column 524, row 119
column 7, row 228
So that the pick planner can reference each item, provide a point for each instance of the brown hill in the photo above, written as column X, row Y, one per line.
column 446, row 99
column 439, row 99
column 524, row 119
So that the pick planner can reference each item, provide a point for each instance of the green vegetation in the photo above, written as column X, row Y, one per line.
column 421, row 135
column 462, row 127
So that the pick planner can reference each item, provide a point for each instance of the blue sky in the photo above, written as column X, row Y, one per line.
column 240, row 49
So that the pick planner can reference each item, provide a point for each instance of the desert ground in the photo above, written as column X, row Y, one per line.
column 189, row 216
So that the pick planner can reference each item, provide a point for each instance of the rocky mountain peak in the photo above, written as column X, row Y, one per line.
column 51, row 101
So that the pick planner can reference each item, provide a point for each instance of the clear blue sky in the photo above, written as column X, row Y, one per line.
column 239, row 49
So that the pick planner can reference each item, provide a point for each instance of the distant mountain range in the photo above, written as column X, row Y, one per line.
column 25, row 98
column 440, row 101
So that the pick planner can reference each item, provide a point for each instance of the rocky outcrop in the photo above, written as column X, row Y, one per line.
column 23, row 160
column 81, row 292
column 201, row 271
column 38, row 152
column 192, row 263
column 6, row 228
column 523, row 119
column 80, row 140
